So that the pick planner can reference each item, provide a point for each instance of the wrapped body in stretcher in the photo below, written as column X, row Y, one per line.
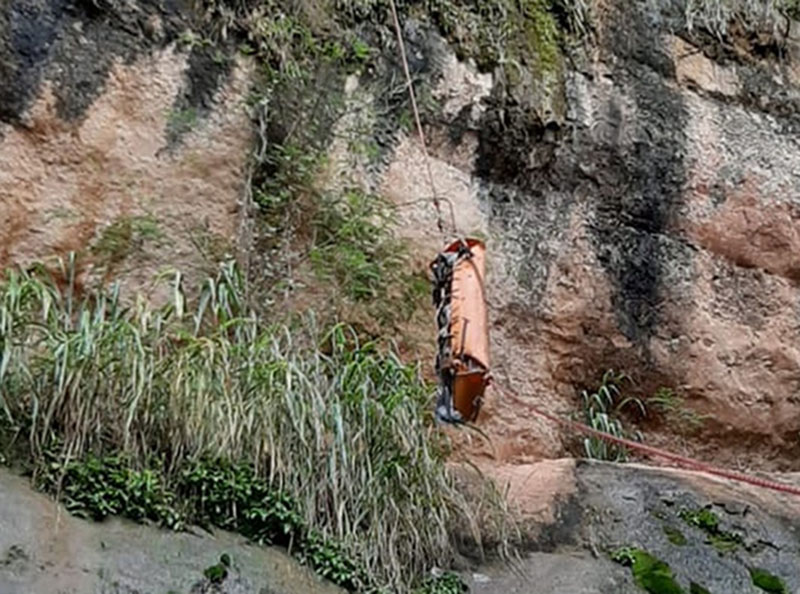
column 462, row 360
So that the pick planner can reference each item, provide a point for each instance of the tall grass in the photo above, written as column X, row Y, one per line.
column 603, row 408
column 342, row 426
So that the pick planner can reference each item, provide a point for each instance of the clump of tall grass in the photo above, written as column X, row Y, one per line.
column 603, row 408
column 340, row 425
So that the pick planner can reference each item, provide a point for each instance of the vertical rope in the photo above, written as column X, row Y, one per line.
column 436, row 202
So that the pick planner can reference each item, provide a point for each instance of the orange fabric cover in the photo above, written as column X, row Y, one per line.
column 468, row 314
column 469, row 327
column 468, row 389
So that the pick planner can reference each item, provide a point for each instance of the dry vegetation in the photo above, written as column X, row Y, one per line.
column 752, row 15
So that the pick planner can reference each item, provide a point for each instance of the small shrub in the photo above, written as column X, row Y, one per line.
column 233, row 497
column 447, row 583
column 123, row 237
column 652, row 574
column 767, row 582
column 602, row 410
column 100, row 487
column 352, row 244
column 331, row 561
column 673, row 408
column 218, row 572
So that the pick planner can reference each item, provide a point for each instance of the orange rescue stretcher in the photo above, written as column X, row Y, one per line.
column 462, row 360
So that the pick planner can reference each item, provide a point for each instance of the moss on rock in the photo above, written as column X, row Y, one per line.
column 767, row 582
column 652, row 574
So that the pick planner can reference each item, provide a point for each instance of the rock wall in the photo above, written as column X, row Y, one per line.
column 642, row 215
column 119, row 138
column 640, row 199
column 579, row 515
column 638, row 191
column 43, row 550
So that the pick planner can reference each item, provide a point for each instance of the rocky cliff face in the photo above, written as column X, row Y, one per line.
column 639, row 187
column 638, row 191
column 119, row 139
column 642, row 216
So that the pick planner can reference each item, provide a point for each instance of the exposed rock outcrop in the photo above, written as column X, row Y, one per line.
column 117, row 140
column 650, row 227
column 44, row 550
column 579, row 515
column 639, row 190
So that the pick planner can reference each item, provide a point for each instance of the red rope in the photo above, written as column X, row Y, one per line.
column 659, row 453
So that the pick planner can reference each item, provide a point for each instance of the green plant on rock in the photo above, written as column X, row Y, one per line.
column 289, row 39
column 650, row 573
column 602, row 410
column 100, row 487
column 218, row 572
column 674, row 535
column 767, row 582
column 447, row 583
column 707, row 521
column 351, row 241
column 361, row 50
column 208, row 493
column 124, row 236
column 673, row 407
column 331, row 561
column 500, row 32
column 292, row 170
column 352, row 244
column 181, row 120
column 235, row 498
column 541, row 34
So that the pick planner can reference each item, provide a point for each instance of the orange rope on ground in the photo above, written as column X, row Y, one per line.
column 439, row 219
column 659, row 453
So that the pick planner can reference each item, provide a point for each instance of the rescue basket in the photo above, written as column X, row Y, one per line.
column 462, row 360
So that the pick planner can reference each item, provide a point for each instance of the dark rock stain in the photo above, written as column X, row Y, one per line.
column 208, row 69
column 425, row 50
column 28, row 31
column 74, row 43
column 508, row 135
column 564, row 532
column 639, row 182
column 632, row 176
